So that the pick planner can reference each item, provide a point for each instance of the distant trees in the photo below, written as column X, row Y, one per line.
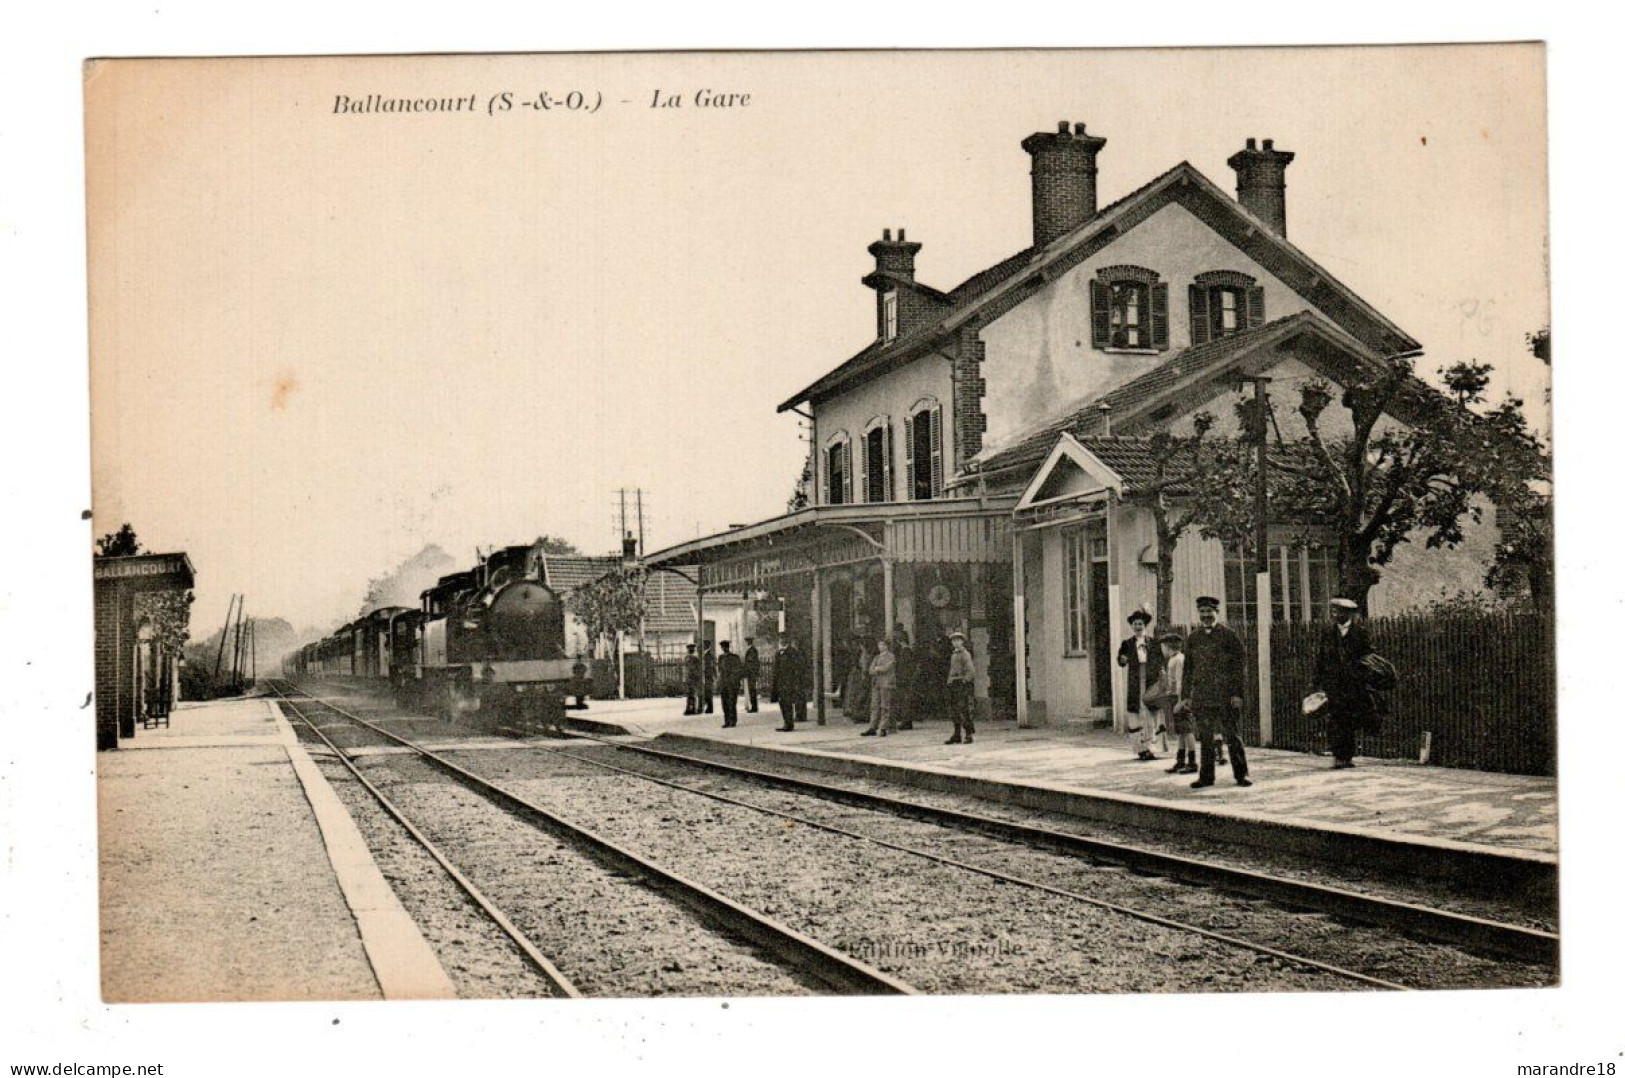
column 552, row 544
column 120, row 544
column 801, row 496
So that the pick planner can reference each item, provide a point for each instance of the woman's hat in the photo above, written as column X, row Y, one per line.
column 1140, row 615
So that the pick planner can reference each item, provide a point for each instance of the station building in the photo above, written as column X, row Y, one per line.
column 137, row 678
column 974, row 466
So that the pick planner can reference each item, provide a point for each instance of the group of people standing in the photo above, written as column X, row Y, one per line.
column 893, row 683
column 711, row 675
column 884, row 681
column 1192, row 688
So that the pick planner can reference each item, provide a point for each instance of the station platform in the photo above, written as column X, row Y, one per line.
column 1429, row 821
column 230, row 870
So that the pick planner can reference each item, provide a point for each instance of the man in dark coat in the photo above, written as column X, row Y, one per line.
column 1341, row 675
column 708, row 684
column 907, row 670
column 691, row 681
column 1215, row 678
column 579, row 685
column 753, row 673
column 792, row 682
column 1142, row 657
column 730, row 671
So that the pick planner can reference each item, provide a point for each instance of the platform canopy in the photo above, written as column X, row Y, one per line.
column 829, row 536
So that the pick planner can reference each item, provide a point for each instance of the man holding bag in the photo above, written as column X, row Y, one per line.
column 1341, row 674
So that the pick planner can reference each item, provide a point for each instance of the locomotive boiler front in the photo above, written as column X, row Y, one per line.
column 524, row 622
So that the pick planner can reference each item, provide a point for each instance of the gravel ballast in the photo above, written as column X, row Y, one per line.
column 608, row 932
column 943, row 930
column 1376, row 952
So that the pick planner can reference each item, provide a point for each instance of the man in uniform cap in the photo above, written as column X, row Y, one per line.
column 730, row 671
column 1215, row 678
column 753, row 673
column 691, row 680
column 1340, row 674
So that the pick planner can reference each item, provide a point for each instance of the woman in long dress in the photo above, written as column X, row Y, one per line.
column 856, row 705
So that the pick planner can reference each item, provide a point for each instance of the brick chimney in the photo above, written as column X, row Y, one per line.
column 895, row 257
column 897, row 310
column 1261, row 182
column 1063, row 180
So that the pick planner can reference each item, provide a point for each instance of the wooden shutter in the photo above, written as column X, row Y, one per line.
column 1201, row 328
column 885, row 462
column 823, row 475
column 1100, row 310
column 846, row 452
column 1255, row 306
column 1159, row 316
column 936, row 451
column 908, row 458
column 863, row 465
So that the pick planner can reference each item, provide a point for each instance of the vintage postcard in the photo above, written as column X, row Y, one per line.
column 785, row 524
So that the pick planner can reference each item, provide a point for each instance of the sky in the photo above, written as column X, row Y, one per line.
column 321, row 341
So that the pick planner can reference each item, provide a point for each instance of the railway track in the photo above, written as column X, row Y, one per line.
column 1412, row 919
column 1290, row 896
column 797, row 952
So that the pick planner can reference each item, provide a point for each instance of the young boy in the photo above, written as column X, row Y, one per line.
column 1179, row 716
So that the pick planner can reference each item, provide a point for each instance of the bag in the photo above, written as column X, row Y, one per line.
column 1314, row 704
column 1158, row 696
column 1380, row 674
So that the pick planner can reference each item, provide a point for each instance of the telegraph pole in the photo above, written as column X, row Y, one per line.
column 225, row 631
column 1261, row 550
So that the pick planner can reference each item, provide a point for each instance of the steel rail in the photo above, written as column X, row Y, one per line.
column 836, row 970
column 1005, row 877
column 1444, row 926
column 548, row 970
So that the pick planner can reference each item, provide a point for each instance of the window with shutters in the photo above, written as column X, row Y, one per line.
column 877, row 486
column 888, row 316
column 922, row 462
column 1129, row 310
column 1224, row 302
column 838, row 470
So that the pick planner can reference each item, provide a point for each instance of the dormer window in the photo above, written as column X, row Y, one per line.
column 1129, row 310
column 888, row 316
column 1224, row 302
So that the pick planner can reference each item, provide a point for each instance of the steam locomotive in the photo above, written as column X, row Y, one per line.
column 487, row 642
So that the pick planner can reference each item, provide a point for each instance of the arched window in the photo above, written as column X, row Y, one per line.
column 876, row 466
column 922, row 438
column 1224, row 302
column 1129, row 310
column 838, row 469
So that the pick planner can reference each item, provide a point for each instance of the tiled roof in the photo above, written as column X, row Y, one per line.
column 1084, row 418
column 565, row 573
column 669, row 604
column 878, row 355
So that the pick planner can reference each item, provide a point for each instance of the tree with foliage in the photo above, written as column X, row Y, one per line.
column 610, row 606
column 1413, row 459
column 120, row 544
column 1177, row 463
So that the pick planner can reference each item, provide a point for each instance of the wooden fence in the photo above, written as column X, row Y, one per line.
column 1477, row 690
